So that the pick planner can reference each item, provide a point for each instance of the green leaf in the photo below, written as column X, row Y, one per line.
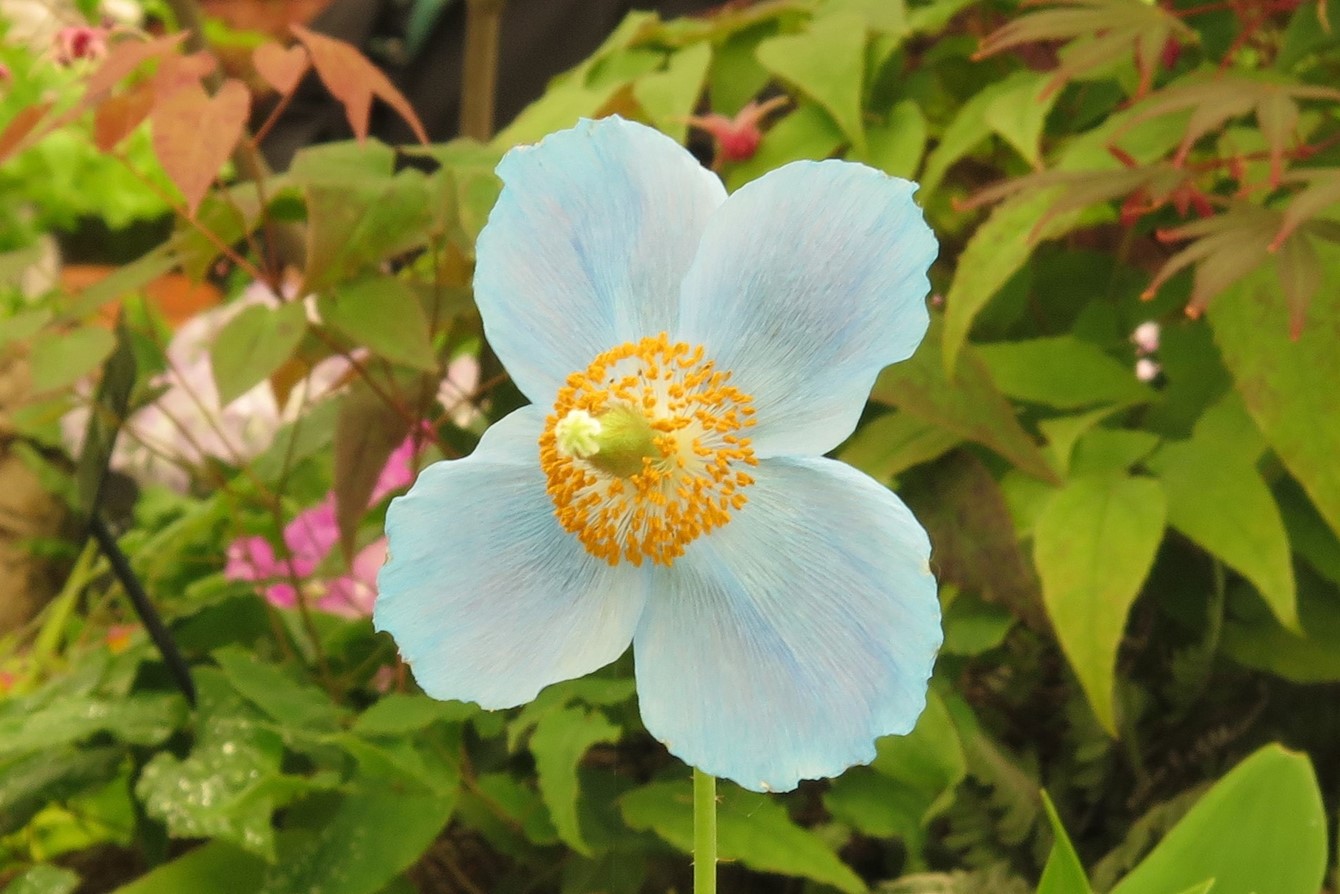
column 292, row 703
column 56, row 360
column 355, row 223
column 213, row 868
column 222, row 789
column 970, row 406
column 1261, row 828
column 894, row 443
column 33, row 781
column 964, row 510
column 1227, row 508
column 1289, row 386
column 1062, row 372
column 751, row 829
column 367, row 430
column 371, row 837
column 23, row 324
column 669, row 97
column 399, row 714
column 1093, row 545
column 884, row 16
column 1063, row 874
column 995, row 252
column 1018, row 110
column 895, row 146
column 736, row 76
column 909, row 784
column 1313, row 656
column 253, row 345
column 827, row 63
column 1102, row 451
column 560, row 741
column 960, row 137
column 973, row 626
column 127, row 278
column 383, row 313
column 1063, row 432
column 138, row 720
column 44, row 878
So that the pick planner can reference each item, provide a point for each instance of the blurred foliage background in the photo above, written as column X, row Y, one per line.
column 1123, row 433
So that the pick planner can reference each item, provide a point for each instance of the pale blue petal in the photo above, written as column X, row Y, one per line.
column 780, row 646
column 808, row 281
column 586, row 247
column 488, row 599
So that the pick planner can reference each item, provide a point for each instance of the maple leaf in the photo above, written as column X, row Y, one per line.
column 1098, row 33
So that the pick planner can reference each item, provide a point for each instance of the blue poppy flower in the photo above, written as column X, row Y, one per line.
column 689, row 357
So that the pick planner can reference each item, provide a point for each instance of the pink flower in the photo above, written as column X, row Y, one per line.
column 309, row 538
column 737, row 138
column 188, row 423
column 1147, row 370
column 80, row 42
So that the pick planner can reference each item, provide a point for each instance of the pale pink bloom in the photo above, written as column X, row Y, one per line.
column 1147, row 370
column 1146, row 337
column 187, row 423
column 458, row 388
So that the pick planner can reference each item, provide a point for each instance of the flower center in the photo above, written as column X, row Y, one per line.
column 643, row 451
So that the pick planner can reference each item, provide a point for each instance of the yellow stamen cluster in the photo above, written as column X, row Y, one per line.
column 652, row 486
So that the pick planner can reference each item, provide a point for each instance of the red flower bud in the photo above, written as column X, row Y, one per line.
column 737, row 138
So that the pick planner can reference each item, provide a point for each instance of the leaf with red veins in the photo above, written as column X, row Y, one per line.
column 194, row 133
column 1321, row 192
column 281, row 68
column 119, row 115
column 1225, row 248
column 1098, row 33
column 354, row 81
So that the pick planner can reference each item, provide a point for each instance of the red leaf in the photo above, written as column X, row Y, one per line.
column 20, row 126
column 118, row 115
column 175, row 72
column 124, row 57
column 353, row 80
column 282, row 69
column 194, row 134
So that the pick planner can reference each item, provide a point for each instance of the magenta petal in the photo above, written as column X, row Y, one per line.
column 398, row 473
column 251, row 559
column 311, row 535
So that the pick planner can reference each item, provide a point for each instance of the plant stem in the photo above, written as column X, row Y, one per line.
column 479, row 80
column 704, row 833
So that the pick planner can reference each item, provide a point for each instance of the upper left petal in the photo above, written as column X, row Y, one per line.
column 781, row 645
column 487, row 597
column 586, row 247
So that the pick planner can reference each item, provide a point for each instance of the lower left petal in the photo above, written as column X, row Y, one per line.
column 781, row 645
column 487, row 597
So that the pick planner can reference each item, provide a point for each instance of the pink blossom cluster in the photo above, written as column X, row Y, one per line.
column 309, row 540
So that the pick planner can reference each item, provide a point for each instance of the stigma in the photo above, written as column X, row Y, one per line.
column 644, row 452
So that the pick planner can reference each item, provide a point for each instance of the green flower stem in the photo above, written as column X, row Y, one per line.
column 704, row 833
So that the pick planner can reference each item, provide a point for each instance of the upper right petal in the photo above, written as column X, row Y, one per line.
column 586, row 247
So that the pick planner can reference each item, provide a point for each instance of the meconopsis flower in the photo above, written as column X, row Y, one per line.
column 690, row 357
